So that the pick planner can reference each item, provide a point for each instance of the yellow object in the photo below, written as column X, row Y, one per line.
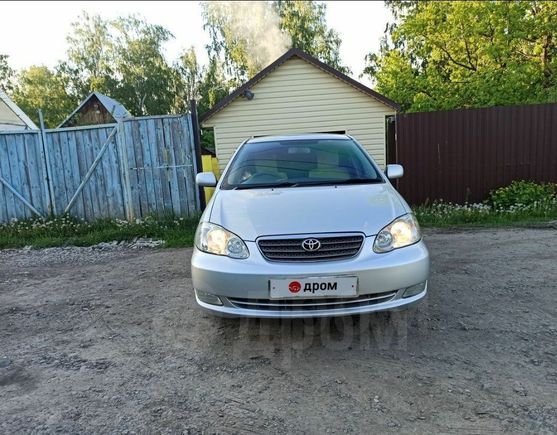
column 210, row 164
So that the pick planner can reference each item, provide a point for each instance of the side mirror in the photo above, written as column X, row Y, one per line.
column 394, row 171
column 206, row 179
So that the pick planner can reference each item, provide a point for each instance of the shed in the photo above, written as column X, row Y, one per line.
column 296, row 94
column 12, row 117
column 97, row 108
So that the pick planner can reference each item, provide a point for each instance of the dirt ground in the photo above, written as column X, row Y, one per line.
column 110, row 341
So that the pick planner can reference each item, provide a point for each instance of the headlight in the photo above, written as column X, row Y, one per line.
column 401, row 232
column 214, row 239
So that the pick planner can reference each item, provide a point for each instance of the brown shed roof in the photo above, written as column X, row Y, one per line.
column 308, row 58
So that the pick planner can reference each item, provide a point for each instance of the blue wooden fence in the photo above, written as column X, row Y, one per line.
column 139, row 167
column 22, row 176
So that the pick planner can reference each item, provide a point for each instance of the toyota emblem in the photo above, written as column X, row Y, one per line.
column 311, row 245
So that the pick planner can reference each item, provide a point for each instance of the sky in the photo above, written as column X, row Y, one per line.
column 34, row 33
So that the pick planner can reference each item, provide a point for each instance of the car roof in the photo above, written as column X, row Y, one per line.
column 315, row 136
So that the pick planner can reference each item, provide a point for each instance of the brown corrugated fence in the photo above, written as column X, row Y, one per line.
column 460, row 155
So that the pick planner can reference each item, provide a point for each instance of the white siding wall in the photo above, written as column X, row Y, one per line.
column 298, row 97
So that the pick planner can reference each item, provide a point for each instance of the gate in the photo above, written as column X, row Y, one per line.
column 134, row 169
column 83, row 166
column 160, row 160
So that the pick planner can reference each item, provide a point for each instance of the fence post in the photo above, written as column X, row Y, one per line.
column 45, row 152
column 197, row 148
column 124, row 170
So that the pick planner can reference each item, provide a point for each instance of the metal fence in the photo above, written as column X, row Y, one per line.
column 461, row 155
column 133, row 169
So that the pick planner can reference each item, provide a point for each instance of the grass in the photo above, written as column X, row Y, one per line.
column 66, row 231
column 179, row 232
column 440, row 214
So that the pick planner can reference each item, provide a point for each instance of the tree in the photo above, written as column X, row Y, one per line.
column 444, row 55
column 247, row 36
column 206, row 84
column 145, row 78
column 122, row 58
column 212, row 88
column 6, row 74
column 187, row 82
column 39, row 87
column 306, row 23
column 90, row 52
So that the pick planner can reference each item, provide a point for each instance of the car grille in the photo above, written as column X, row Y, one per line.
column 311, row 304
column 332, row 248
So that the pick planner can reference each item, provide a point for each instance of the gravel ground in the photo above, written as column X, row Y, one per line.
column 110, row 340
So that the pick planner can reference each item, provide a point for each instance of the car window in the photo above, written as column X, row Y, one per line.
column 298, row 163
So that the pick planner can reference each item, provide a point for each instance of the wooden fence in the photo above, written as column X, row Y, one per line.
column 460, row 155
column 139, row 167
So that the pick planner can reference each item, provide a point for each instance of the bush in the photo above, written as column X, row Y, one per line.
column 522, row 193
column 520, row 202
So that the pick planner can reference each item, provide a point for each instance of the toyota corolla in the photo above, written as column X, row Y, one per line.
column 306, row 226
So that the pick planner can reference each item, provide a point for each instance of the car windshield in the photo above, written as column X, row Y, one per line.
column 294, row 163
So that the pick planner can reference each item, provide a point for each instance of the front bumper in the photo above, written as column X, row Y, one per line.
column 382, row 280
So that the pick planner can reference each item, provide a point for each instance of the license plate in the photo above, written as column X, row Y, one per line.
column 299, row 288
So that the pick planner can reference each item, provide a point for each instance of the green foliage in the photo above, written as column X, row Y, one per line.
column 90, row 51
column 124, row 59
column 146, row 78
column 6, row 74
column 244, row 37
column 520, row 202
column 213, row 86
column 247, row 36
column 206, row 84
column 444, row 55
column 190, row 74
column 41, row 87
column 66, row 230
column 522, row 193
column 306, row 23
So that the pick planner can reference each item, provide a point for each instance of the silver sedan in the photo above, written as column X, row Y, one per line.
column 306, row 226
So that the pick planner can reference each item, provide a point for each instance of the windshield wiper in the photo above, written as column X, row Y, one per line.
column 338, row 182
column 265, row 185
column 308, row 183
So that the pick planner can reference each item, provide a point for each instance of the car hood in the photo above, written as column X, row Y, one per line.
column 254, row 213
